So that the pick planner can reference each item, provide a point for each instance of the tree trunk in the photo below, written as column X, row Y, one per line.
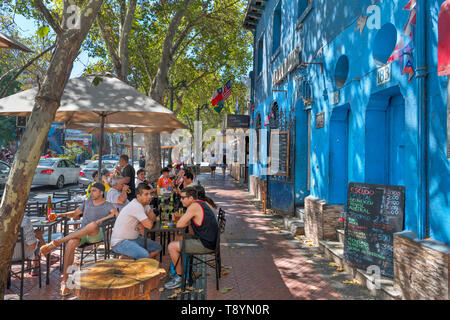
column 159, row 86
column 47, row 101
column 152, row 156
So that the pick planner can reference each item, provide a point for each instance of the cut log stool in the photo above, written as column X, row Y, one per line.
column 118, row 279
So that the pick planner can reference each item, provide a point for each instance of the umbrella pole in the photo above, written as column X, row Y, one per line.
column 132, row 144
column 100, row 152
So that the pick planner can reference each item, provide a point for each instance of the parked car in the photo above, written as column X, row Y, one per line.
column 56, row 172
column 85, row 175
column 115, row 157
column 4, row 173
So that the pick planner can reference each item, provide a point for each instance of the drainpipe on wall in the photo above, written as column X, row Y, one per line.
column 422, row 134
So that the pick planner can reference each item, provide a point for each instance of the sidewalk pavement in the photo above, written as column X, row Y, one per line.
column 261, row 260
column 265, row 261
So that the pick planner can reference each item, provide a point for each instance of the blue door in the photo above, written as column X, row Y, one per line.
column 338, row 171
column 385, row 125
column 396, row 155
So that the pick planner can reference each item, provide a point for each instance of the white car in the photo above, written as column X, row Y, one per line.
column 56, row 172
column 85, row 175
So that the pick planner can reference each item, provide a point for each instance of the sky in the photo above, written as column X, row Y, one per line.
column 27, row 28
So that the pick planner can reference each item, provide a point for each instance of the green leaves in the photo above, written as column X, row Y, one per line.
column 42, row 32
column 97, row 81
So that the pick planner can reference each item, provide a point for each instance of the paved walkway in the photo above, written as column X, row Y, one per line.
column 260, row 259
column 264, row 265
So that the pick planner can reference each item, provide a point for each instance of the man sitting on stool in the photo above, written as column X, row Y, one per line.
column 204, row 225
column 133, row 218
column 94, row 210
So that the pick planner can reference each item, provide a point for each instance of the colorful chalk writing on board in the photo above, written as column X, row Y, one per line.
column 374, row 214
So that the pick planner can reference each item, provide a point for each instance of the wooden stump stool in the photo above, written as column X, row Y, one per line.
column 118, row 279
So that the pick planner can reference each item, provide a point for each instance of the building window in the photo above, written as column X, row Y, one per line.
column 304, row 8
column 260, row 57
column 276, row 29
column 275, row 117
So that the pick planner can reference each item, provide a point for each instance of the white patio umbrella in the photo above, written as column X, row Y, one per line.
column 9, row 43
column 98, row 98
column 125, row 128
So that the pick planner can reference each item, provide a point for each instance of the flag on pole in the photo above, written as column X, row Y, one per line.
column 216, row 96
column 227, row 90
column 219, row 106
column 237, row 107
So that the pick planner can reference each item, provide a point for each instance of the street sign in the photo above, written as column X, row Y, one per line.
column 237, row 121
column 384, row 75
column 320, row 120
column 336, row 97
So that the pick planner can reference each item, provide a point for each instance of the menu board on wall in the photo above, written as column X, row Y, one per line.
column 374, row 214
column 279, row 153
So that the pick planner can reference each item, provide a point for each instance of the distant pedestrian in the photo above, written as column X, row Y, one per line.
column 213, row 165
column 224, row 165
column 128, row 174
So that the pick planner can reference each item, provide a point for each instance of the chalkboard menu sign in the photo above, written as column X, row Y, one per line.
column 279, row 153
column 374, row 214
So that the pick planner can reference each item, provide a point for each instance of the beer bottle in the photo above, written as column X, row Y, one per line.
column 49, row 207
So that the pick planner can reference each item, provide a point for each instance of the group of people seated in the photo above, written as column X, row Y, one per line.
column 128, row 201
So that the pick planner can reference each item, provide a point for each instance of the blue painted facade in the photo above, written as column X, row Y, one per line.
column 390, row 133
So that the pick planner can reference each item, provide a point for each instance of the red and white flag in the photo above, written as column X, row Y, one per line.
column 227, row 90
column 411, row 5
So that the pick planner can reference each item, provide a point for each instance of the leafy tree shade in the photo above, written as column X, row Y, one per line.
column 47, row 101
column 198, row 41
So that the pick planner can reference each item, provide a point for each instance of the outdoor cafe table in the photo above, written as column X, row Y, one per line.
column 162, row 229
column 43, row 202
column 38, row 223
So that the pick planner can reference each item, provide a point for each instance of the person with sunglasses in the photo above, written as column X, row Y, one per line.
column 204, row 234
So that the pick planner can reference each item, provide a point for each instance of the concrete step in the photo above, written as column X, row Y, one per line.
column 341, row 235
column 294, row 225
column 334, row 250
column 300, row 213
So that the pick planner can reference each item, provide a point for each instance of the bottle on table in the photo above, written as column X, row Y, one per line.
column 51, row 216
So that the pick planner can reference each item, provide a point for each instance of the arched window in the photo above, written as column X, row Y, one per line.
column 275, row 116
column 276, row 26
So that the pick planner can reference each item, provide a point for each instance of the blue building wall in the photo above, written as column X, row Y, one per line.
column 373, row 133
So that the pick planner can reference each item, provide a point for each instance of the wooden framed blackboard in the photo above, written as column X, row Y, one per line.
column 279, row 161
column 374, row 213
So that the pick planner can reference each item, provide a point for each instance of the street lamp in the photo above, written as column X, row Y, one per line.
column 204, row 106
column 198, row 135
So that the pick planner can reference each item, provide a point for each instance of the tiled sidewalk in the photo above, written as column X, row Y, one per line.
column 264, row 265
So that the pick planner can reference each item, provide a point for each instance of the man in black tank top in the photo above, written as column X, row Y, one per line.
column 205, row 232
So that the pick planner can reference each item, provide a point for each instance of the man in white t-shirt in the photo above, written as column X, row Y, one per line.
column 127, row 237
column 118, row 193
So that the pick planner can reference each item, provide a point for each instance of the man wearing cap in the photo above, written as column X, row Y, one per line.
column 94, row 210
column 105, row 174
